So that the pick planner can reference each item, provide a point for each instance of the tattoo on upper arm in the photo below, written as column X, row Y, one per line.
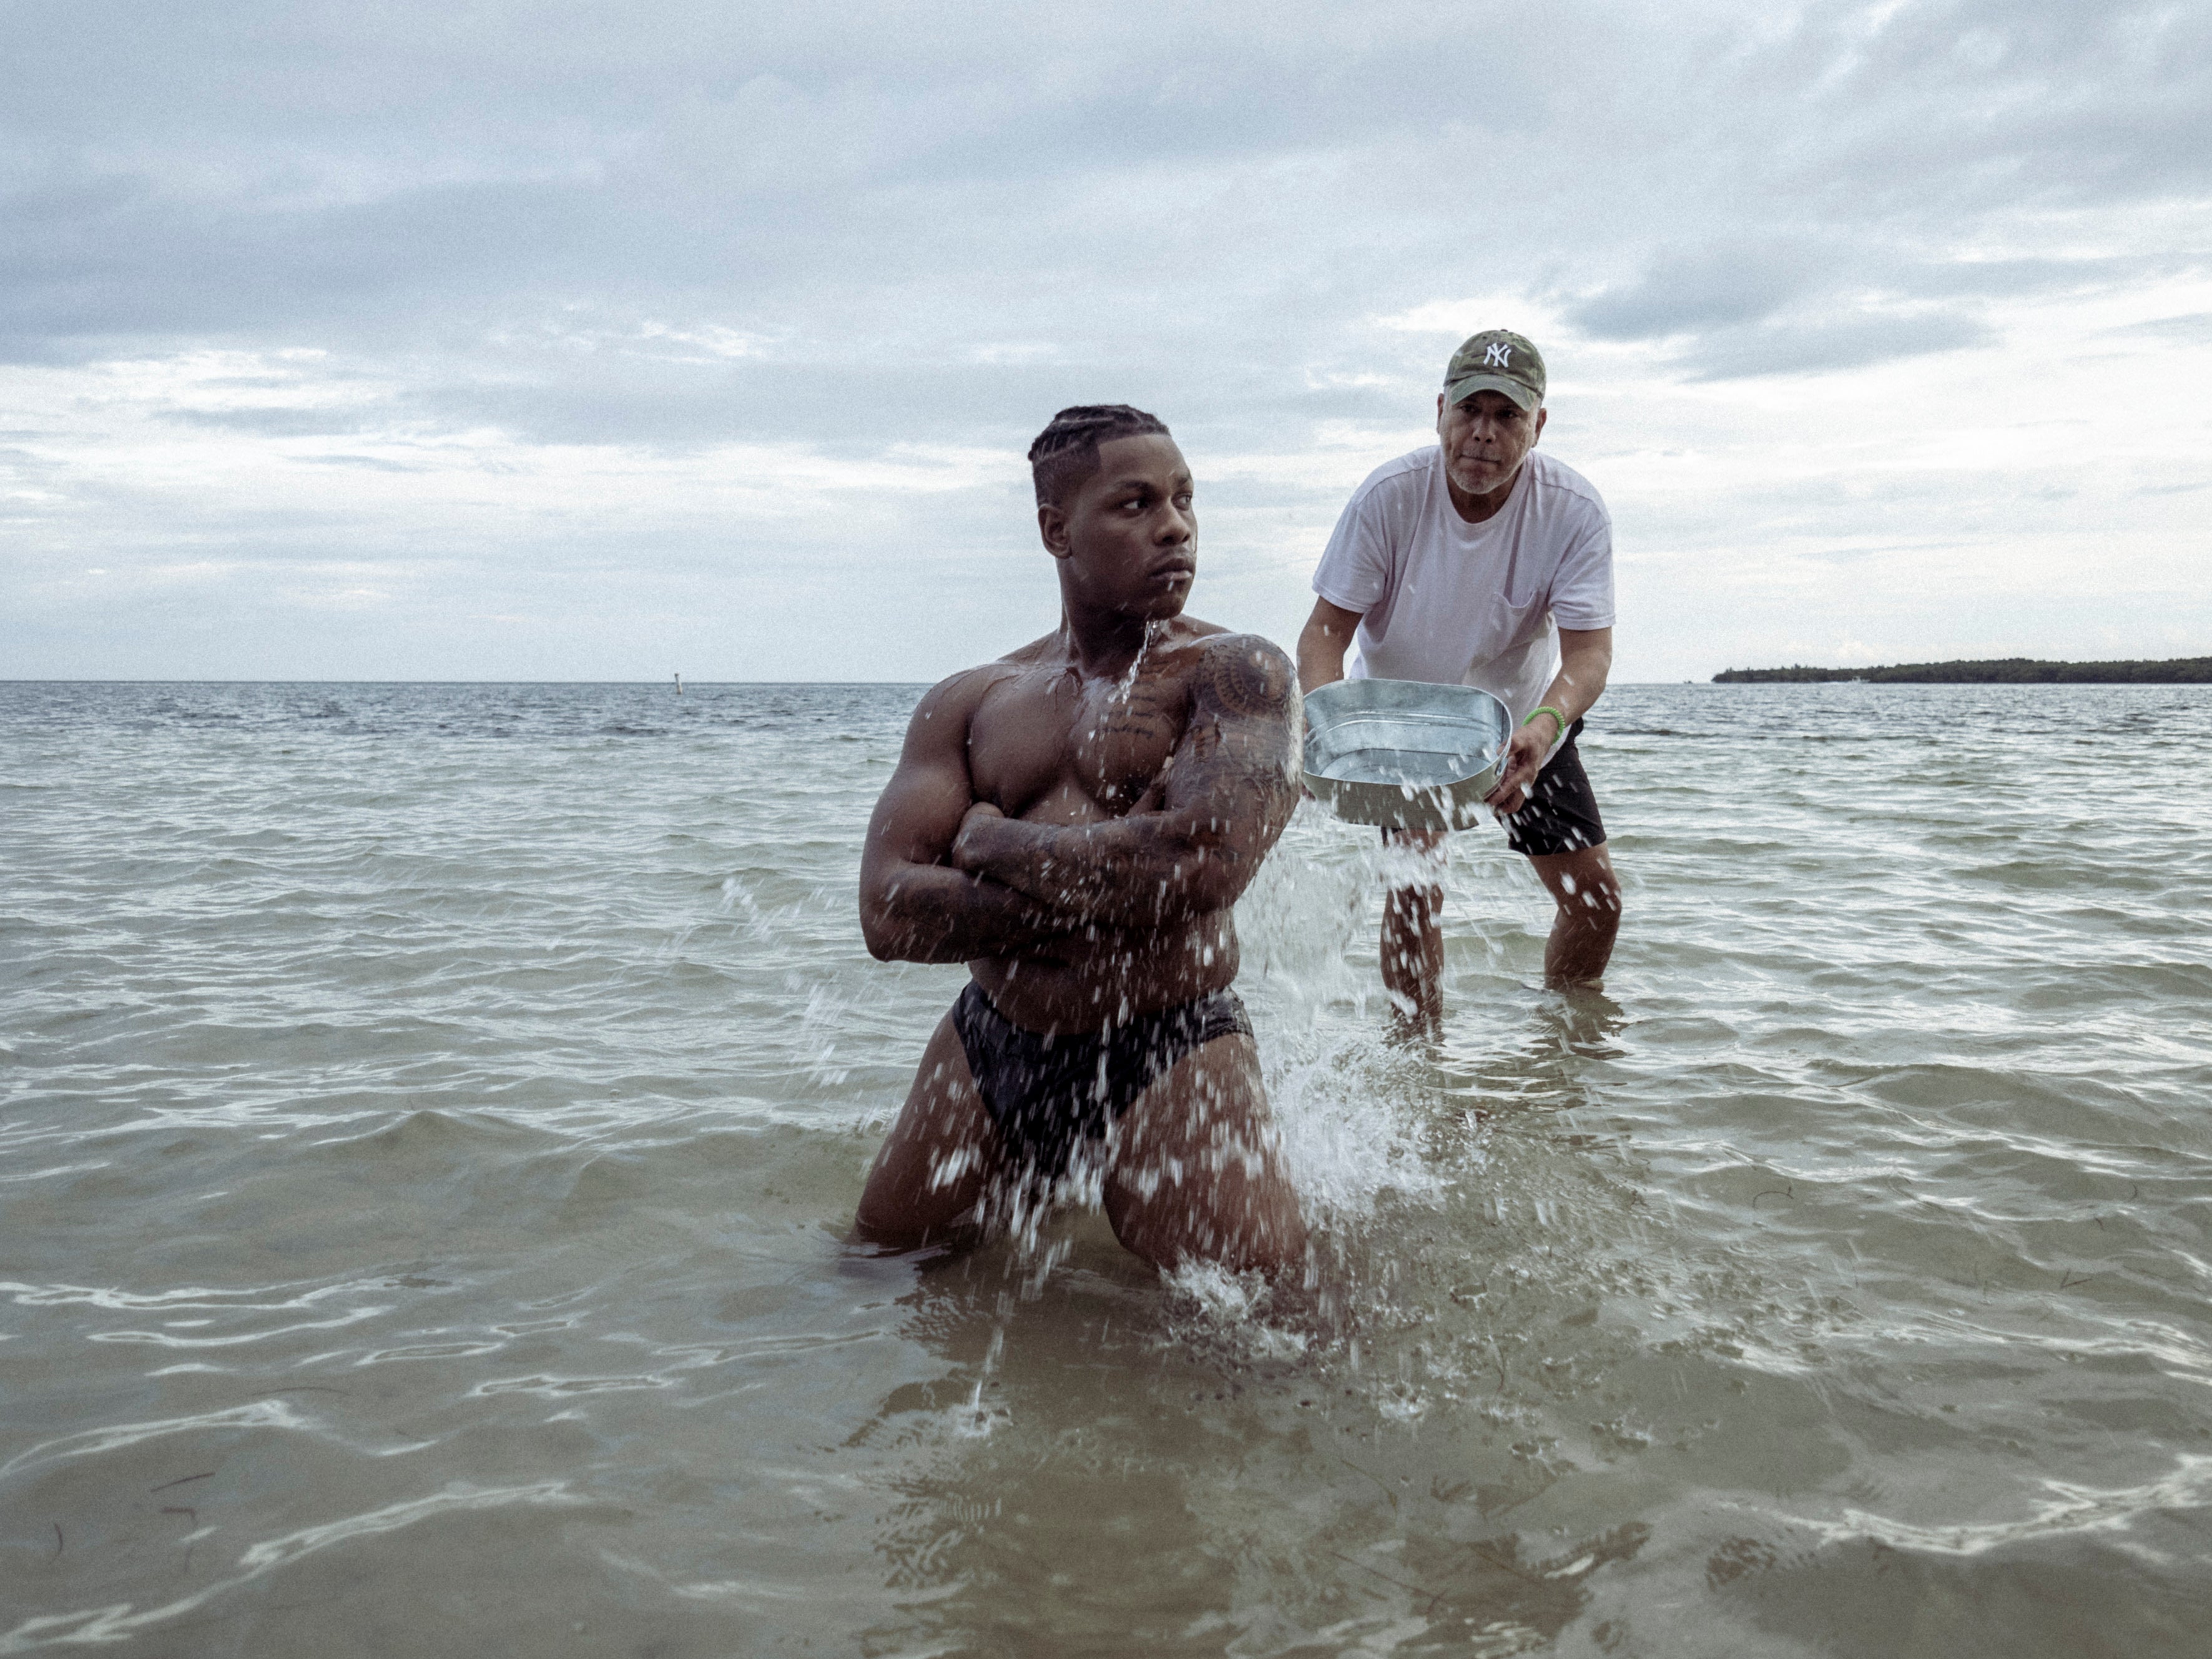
column 1245, row 725
column 1247, row 677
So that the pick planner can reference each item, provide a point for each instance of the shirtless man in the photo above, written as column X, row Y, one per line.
column 1073, row 822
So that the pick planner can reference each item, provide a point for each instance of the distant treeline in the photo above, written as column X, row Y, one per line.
column 2004, row 671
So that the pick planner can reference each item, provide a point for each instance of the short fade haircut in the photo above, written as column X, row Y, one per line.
column 1067, row 451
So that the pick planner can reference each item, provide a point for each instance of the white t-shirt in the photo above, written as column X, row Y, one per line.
column 1459, row 604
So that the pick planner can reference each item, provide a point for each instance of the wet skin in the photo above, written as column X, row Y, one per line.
column 1074, row 822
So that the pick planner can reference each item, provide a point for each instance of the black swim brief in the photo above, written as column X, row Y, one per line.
column 1560, row 815
column 1048, row 1095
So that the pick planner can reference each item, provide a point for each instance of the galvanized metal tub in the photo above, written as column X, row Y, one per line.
column 1404, row 753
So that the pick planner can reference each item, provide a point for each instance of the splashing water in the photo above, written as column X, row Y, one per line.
column 1126, row 687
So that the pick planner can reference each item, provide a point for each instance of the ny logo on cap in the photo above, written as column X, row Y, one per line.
column 1500, row 354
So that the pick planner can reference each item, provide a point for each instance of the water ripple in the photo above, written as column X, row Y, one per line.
column 492, row 1070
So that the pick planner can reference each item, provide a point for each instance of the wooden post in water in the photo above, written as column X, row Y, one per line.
column 679, row 685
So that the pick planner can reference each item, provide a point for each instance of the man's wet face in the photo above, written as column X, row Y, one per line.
column 1130, row 534
column 1485, row 439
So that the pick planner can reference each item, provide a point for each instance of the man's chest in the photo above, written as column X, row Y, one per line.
column 1055, row 749
column 1457, row 592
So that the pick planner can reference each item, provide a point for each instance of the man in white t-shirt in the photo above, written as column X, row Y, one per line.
column 1478, row 562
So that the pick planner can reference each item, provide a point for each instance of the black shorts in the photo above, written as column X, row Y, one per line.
column 1560, row 815
column 1047, row 1096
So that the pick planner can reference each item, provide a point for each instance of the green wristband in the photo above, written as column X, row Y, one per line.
column 1547, row 709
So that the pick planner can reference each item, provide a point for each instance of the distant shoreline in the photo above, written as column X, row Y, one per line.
column 2001, row 671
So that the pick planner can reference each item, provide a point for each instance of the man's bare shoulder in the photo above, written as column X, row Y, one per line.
column 1046, row 647
column 947, row 706
column 971, row 683
column 1188, row 650
column 1245, row 674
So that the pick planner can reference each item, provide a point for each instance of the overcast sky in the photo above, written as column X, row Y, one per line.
column 486, row 339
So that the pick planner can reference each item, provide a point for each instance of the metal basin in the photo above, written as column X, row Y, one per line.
column 1404, row 753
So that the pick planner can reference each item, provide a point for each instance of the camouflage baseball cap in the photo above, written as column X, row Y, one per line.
column 1497, row 359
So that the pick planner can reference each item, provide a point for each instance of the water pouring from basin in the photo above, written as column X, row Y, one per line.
column 1404, row 754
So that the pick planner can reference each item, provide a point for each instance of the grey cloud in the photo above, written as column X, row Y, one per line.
column 784, row 150
column 373, row 463
column 114, row 265
column 1987, row 278
column 1929, row 108
column 851, row 408
column 1799, row 307
column 1846, row 342
column 2195, row 327
column 274, row 422
column 1713, row 286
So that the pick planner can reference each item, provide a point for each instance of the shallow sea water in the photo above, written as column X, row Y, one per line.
column 430, row 1116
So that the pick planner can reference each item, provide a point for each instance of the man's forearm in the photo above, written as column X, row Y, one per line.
column 1569, row 697
column 1321, row 656
column 928, row 912
column 1137, row 871
column 1579, row 684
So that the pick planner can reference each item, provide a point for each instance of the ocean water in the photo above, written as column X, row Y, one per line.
column 430, row 1117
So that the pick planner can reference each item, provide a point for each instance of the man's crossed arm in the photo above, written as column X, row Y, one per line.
column 914, row 906
column 1193, row 842
column 1188, row 848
